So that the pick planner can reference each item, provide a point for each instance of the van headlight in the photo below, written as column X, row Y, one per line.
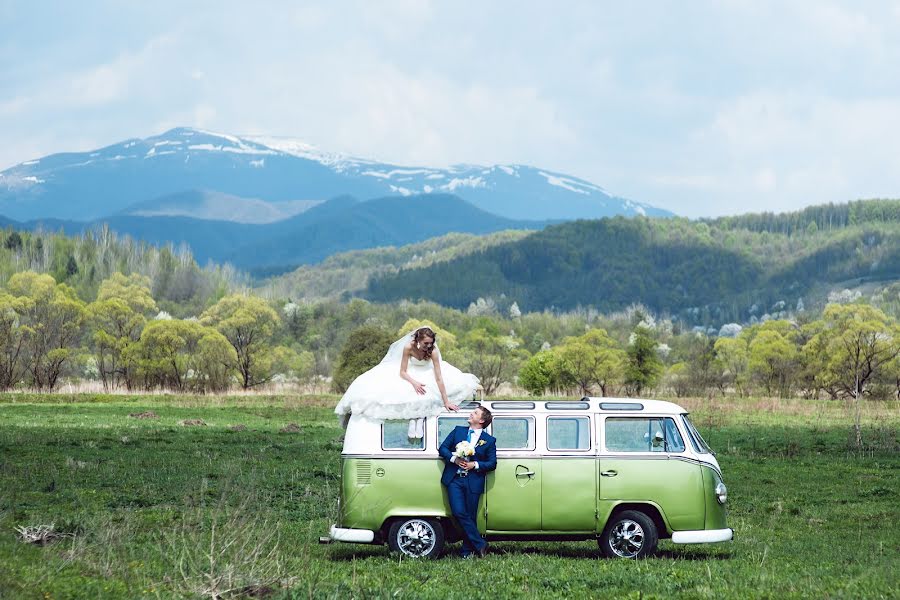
column 721, row 493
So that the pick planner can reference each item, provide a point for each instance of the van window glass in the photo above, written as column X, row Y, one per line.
column 674, row 441
column 643, row 434
column 696, row 439
column 394, row 436
column 447, row 424
column 569, row 433
column 513, row 433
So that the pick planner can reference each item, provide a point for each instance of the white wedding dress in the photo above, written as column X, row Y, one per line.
column 380, row 392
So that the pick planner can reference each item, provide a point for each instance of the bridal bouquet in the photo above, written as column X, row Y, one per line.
column 464, row 450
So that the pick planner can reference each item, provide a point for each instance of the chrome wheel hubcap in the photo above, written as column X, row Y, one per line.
column 416, row 538
column 627, row 538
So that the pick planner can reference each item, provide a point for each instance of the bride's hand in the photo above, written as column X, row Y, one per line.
column 419, row 387
column 451, row 406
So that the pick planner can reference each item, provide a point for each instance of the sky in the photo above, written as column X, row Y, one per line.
column 704, row 108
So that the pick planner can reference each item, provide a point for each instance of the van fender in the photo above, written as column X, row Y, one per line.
column 651, row 509
column 450, row 531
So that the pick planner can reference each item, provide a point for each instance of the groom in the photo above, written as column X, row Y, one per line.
column 465, row 478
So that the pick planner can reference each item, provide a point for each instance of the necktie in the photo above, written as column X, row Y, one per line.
column 469, row 437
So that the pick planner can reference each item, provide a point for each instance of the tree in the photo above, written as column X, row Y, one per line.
column 51, row 317
column 365, row 347
column 248, row 323
column 589, row 360
column 643, row 368
column 539, row 372
column 772, row 361
column 703, row 372
column 289, row 364
column 733, row 356
column 678, row 379
column 12, row 341
column 184, row 356
column 14, row 242
column 860, row 341
column 71, row 266
column 492, row 359
column 118, row 316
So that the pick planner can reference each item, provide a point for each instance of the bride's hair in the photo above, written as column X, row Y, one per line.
column 425, row 332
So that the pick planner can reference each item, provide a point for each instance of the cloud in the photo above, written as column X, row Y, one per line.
column 706, row 108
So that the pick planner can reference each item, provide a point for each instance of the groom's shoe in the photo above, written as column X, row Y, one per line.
column 483, row 551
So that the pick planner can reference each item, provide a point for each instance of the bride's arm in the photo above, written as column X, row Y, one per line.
column 436, row 360
column 404, row 363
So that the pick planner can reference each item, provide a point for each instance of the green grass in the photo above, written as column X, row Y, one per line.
column 161, row 510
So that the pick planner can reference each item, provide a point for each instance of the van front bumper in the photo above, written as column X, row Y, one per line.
column 357, row 536
column 706, row 536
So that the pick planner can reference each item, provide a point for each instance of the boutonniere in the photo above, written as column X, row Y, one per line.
column 481, row 443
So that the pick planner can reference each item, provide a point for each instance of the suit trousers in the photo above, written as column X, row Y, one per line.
column 464, row 506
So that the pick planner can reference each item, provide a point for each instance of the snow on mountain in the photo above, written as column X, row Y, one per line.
column 95, row 184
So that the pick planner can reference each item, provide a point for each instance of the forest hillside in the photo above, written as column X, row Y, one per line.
column 727, row 269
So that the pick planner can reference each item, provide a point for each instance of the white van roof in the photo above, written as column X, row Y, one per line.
column 590, row 404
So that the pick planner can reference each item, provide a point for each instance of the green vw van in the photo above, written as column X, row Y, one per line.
column 625, row 472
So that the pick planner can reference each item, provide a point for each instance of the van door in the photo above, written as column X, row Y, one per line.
column 642, row 462
column 513, row 492
column 569, row 487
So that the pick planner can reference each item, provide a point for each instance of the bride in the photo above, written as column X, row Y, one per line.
column 410, row 382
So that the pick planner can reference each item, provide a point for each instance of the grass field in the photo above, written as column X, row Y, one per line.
column 150, row 508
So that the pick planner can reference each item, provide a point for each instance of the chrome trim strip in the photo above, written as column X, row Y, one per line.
column 433, row 455
column 534, row 456
column 568, row 455
column 702, row 463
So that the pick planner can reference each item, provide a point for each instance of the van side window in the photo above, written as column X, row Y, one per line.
column 642, row 434
column 568, row 433
column 394, row 436
column 447, row 424
column 513, row 433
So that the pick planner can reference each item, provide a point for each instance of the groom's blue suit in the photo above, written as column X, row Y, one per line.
column 464, row 492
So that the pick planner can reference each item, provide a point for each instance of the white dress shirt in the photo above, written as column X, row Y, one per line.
column 476, row 435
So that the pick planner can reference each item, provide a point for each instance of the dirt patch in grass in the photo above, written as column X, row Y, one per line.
column 147, row 414
column 192, row 423
column 238, row 427
column 290, row 428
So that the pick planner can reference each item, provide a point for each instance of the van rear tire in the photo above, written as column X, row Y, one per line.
column 416, row 537
column 629, row 534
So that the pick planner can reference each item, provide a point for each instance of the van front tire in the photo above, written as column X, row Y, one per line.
column 629, row 534
column 416, row 537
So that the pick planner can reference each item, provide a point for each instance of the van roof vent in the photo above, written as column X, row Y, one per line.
column 512, row 405
column 621, row 406
column 568, row 405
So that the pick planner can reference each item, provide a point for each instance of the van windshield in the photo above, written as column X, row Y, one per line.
column 696, row 439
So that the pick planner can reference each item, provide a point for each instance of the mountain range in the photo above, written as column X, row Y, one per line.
column 337, row 225
column 194, row 173
column 270, row 204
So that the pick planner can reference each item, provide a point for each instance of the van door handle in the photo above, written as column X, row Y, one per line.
column 525, row 474
column 609, row 473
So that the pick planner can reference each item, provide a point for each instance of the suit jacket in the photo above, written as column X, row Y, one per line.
column 485, row 455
